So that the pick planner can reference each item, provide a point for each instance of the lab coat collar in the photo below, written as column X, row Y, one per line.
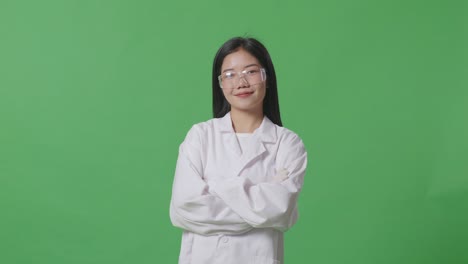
column 266, row 132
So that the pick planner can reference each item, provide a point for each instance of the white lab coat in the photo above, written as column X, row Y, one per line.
column 234, row 206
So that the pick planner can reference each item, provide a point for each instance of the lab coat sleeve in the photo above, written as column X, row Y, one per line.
column 268, row 204
column 192, row 207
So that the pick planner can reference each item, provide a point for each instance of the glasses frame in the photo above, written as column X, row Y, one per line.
column 241, row 75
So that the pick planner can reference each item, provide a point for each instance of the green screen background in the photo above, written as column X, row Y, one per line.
column 96, row 96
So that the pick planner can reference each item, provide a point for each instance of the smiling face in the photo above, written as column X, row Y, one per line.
column 242, row 95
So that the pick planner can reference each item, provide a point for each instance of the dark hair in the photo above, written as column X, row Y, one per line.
column 254, row 47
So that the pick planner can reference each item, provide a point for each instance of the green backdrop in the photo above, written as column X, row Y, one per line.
column 96, row 96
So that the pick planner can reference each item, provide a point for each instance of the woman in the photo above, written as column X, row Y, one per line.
column 239, row 174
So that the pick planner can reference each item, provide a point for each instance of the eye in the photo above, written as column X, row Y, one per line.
column 229, row 75
column 252, row 71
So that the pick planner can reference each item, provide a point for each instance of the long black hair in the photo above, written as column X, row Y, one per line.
column 270, row 103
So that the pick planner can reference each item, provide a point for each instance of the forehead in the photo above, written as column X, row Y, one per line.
column 238, row 60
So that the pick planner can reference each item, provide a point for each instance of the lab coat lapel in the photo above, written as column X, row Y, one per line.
column 229, row 135
column 264, row 134
column 254, row 149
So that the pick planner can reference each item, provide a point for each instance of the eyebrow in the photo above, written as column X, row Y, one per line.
column 250, row 65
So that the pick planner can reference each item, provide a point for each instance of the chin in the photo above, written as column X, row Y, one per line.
column 245, row 107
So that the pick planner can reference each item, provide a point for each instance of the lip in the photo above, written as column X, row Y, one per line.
column 243, row 95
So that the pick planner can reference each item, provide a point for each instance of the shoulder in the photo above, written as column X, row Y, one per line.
column 291, row 152
column 289, row 139
column 201, row 130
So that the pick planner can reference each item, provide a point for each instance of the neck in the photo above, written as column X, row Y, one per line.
column 246, row 121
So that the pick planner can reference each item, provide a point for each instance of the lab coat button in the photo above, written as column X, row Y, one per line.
column 225, row 239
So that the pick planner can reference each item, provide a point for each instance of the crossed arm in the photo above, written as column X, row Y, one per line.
column 235, row 205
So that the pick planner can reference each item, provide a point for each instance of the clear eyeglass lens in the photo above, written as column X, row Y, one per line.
column 231, row 79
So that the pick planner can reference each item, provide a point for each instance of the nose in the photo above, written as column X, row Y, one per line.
column 242, row 82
